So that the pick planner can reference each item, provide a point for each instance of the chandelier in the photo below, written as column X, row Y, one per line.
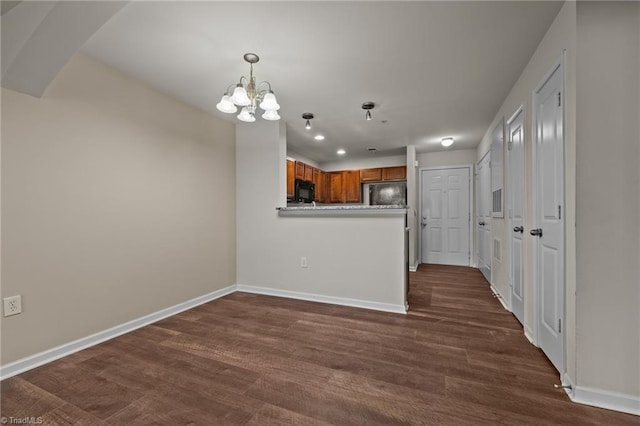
column 249, row 95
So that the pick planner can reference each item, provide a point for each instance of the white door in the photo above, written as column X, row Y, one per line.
column 483, row 215
column 515, row 152
column 445, row 216
column 549, row 226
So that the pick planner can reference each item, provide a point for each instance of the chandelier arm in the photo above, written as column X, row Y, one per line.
column 229, row 91
column 267, row 83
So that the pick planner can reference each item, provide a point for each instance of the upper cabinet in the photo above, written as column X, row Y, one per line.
column 291, row 177
column 351, row 186
column 344, row 186
column 300, row 170
column 304, row 171
column 308, row 172
column 335, row 187
column 318, row 181
column 394, row 173
column 383, row 173
column 371, row 175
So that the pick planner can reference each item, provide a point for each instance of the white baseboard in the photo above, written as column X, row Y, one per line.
column 500, row 298
column 601, row 398
column 414, row 268
column 356, row 303
column 566, row 380
column 528, row 333
column 58, row 352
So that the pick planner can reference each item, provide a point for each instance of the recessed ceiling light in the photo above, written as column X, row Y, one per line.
column 446, row 141
column 319, row 137
column 341, row 152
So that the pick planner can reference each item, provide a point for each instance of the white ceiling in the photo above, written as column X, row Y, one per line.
column 433, row 69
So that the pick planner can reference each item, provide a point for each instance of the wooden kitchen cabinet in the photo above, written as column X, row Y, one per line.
column 394, row 173
column 339, row 186
column 326, row 187
column 300, row 170
column 308, row 172
column 351, row 186
column 291, row 177
column 336, row 191
column 371, row 175
column 318, row 181
column 343, row 187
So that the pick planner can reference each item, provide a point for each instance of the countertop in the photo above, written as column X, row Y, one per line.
column 339, row 210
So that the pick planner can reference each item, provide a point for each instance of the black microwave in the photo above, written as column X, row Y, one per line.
column 305, row 191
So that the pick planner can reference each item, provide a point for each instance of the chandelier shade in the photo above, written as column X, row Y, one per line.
column 226, row 105
column 246, row 116
column 249, row 95
column 269, row 103
column 240, row 97
column 271, row 115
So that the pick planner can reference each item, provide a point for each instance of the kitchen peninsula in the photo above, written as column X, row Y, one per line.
column 368, row 243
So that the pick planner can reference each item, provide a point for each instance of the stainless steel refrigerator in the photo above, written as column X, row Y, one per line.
column 388, row 193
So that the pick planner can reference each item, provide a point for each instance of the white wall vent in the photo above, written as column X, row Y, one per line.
column 497, row 201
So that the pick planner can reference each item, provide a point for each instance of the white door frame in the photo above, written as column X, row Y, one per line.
column 471, row 209
column 536, row 287
column 475, row 214
column 509, row 194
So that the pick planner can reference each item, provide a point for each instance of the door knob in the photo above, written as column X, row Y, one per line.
column 519, row 229
column 536, row 231
column 481, row 223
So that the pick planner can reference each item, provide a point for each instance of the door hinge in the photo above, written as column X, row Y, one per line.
column 559, row 98
column 509, row 145
column 559, row 325
column 559, row 212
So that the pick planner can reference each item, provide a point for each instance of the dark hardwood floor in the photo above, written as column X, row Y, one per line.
column 457, row 358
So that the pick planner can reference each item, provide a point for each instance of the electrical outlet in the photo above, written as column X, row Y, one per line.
column 12, row 305
column 303, row 262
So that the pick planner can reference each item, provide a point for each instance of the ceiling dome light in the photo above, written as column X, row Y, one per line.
column 270, row 103
column 341, row 152
column 246, row 116
column 319, row 137
column 271, row 115
column 307, row 116
column 368, row 106
column 447, row 141
column 225, row 105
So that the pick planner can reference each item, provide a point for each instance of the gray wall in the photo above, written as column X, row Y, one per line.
column 117, row 201
column 608, row 197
